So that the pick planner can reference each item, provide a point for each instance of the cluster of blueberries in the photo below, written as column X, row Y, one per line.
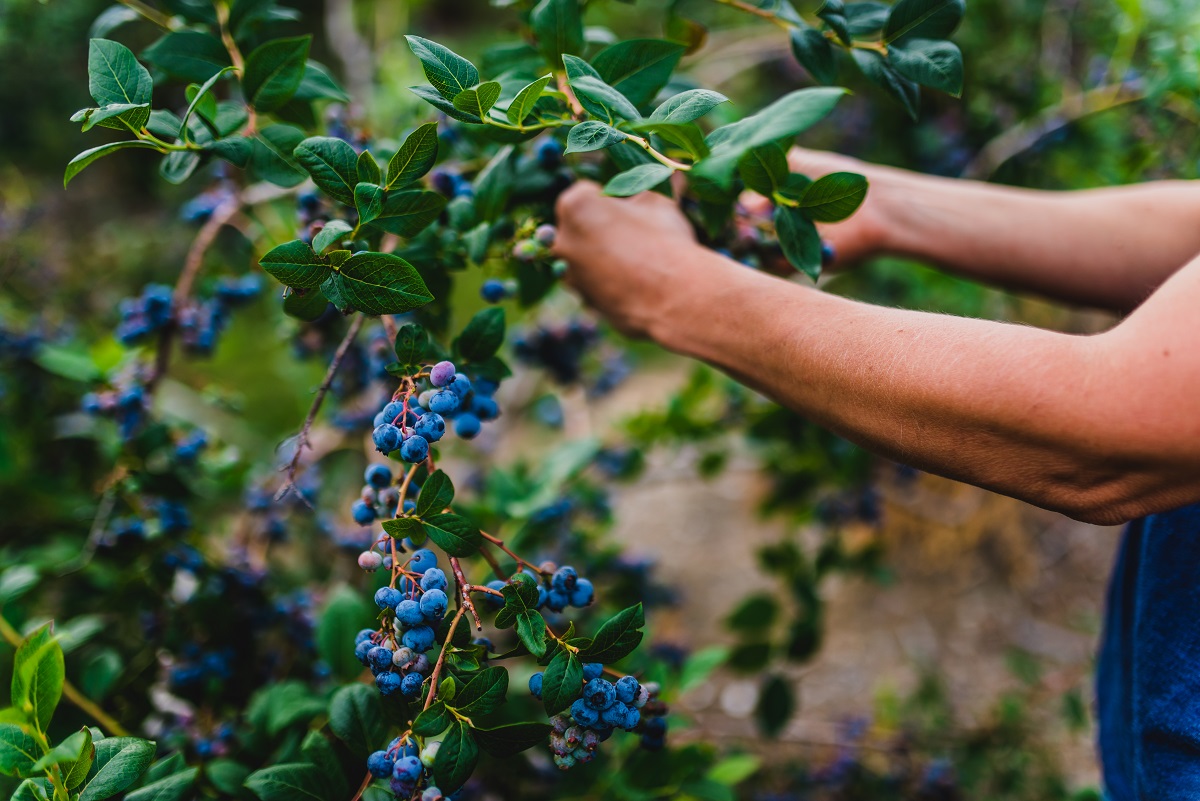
column 405, row 766
column 602, row 708
column 128, row 406
column 412, row 613
column 451, row 395
column 557, row 349
column 199, row 321
column 564, row 589
column 379, row 499
column 537, row 246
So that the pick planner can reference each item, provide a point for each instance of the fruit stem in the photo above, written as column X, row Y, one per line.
column 437, row 669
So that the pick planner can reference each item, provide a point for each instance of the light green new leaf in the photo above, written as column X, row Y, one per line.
column 478, row 100
column 67, row 753
column 522, row 105
column 448, row 72
column 120, row 116
column 38, row 673
column 274, row 71
column 639, row 179
column 431, row 96
column 201, row 95
column 414, row 158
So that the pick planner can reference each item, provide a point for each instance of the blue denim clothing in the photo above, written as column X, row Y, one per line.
column 1148, row 672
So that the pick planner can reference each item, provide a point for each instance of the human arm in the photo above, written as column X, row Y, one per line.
column 1108, row 248
column 1102, row 428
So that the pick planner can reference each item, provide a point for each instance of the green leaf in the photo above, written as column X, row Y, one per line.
column 274, row 71
column 592, row 135
column 638, row 179
column 776, row 703
column 786, row 117
column 617, row 637
column 799, row 240
column 368, row 201
column 319, row 84
column 562, row 682
column 330, row 234
column 412, row 343
column 638, row 68
column 482, row 336
column 306, row 305
column 38, row 673
column 15, row 581
column 688, row 106
column 31, row 790
column 734, row 770
column 531, row 629
column 318, row 750
column 19, row 750
column 833, row 197
column 880, row 72
column 409, row 212
column 455, row 759
column 175, row 787
column 271, row 158
column 75, row 772
column 119, row 762
column 577, row 68
column 493, row 185
column 80, row 162
column 512, row 739
column 368, row 169
column 925, row 19
column 478, row 100
column 448, row 72
column 436, row 494
column 522, row 105
column 401, row 527
column 453, row 534
column 815, row 54
column 484, row 693
column 167, row 766
column 67, row 753
column 179, row 165
column 66, row 362
column 119, row 116
column 433, row 721
column 764, row 169
column 296, row 265
column 333, row 165
column 237, row 150
column 378, row 283
column 110, row 19
column 356, row 717
column 289, row 782
column 933, row 63
column 227, row 775
column 431, row 96
column 344, row 616
column 115, row 76
column 613, row 103
column 190, row 55
column 200, row 95
column 558, row 27
column 414, row 158
column 700, row 665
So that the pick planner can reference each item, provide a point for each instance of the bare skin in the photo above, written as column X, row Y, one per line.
column 1104, row 428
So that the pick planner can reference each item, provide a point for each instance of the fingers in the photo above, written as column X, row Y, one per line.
column 578, row 195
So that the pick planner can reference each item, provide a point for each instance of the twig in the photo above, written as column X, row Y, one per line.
column 437, row 669
column 302, row 437
column 464, row 589
column 499, row 543
column 490, row 558
column 362, row 788
column 573, row 103
column 154, row 15
column 235, row 56
column 758, row 12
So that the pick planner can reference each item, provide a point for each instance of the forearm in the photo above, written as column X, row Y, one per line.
column 1018, row 410
column 1104, row 247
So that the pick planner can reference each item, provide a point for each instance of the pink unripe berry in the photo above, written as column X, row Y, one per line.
column 442, row 374
column 526, row 250
column 370, row 561
column 545, row 234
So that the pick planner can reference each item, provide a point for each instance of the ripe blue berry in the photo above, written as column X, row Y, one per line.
column 380, row 658
column 583, row 594
column 410, row 685
column 408, row 612
column 615, row 715
column 485, row 408
column 418, row 638
column 828, row 254
column 599, row 694
column 493, row 291
column 443, row 402
column 495, row 600
column 362, row 649
column 378, row 476
column 387, row 438
column 380, row 764
column 391, row 413
column 460, row 385
column 403, row 749
column 564, row 578
column 433, row 579
column 441, row 374
column 415, row 449
column 388, row 683
column 485, row 387
column 592, row 670
column 467, row 425
column 633, row 716
column 535, row 685
column 434, row 603
column 364, row 635
column 422, row 560
column 627, row 687
column 583, row 714
column 407, row 768
column 387, row 597
column 557, row 600
column 362, row 513
column 431, row 427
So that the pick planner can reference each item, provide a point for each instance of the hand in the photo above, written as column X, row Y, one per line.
column 626, row 255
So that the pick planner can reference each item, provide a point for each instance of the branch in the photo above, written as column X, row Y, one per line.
column 437, row 669
column 464, row 591
column 322, row 391
column 154, row 15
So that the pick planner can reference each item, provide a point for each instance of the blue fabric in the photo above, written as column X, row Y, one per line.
column 1148, row 672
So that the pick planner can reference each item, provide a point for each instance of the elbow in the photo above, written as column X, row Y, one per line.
column 1105, row 495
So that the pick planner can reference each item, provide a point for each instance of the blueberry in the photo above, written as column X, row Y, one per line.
column 370, row 561
column 493, row 291
column 495, row 600
column 545, row 234
column 526, row 250
column 379, row 764
column 549, row 154
column 828, row 254
column 443, row 402
column 403, row 656
column 433, row 579
column 485, row 387
column 415, row 449
column 363, row 514
column 642, row 698
column 614, row 714
column 627, row 687
column 564, row 578
column 388, row 682
column 583, row 714
column 431, row 427
column 362, row 649
column 599, row 694
column 557, row 600
column 441, row 374
column 387, row 438
column 418, row 638
column 408, row 612
column 432, row 793
column 633, row 716
column 407, row 768
column 484, row 408
column 378, row 476
column 387, row 597
column 379, row 657
column 467, row 425
column 391, row 413
column 434, row 603
column 401, row 788
column 535, row 685
column 460, row 385
column 364, row 636
column 583, row 594
column 410, row 685
column 422, row 665
column 404, row 749
column 422, row 560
